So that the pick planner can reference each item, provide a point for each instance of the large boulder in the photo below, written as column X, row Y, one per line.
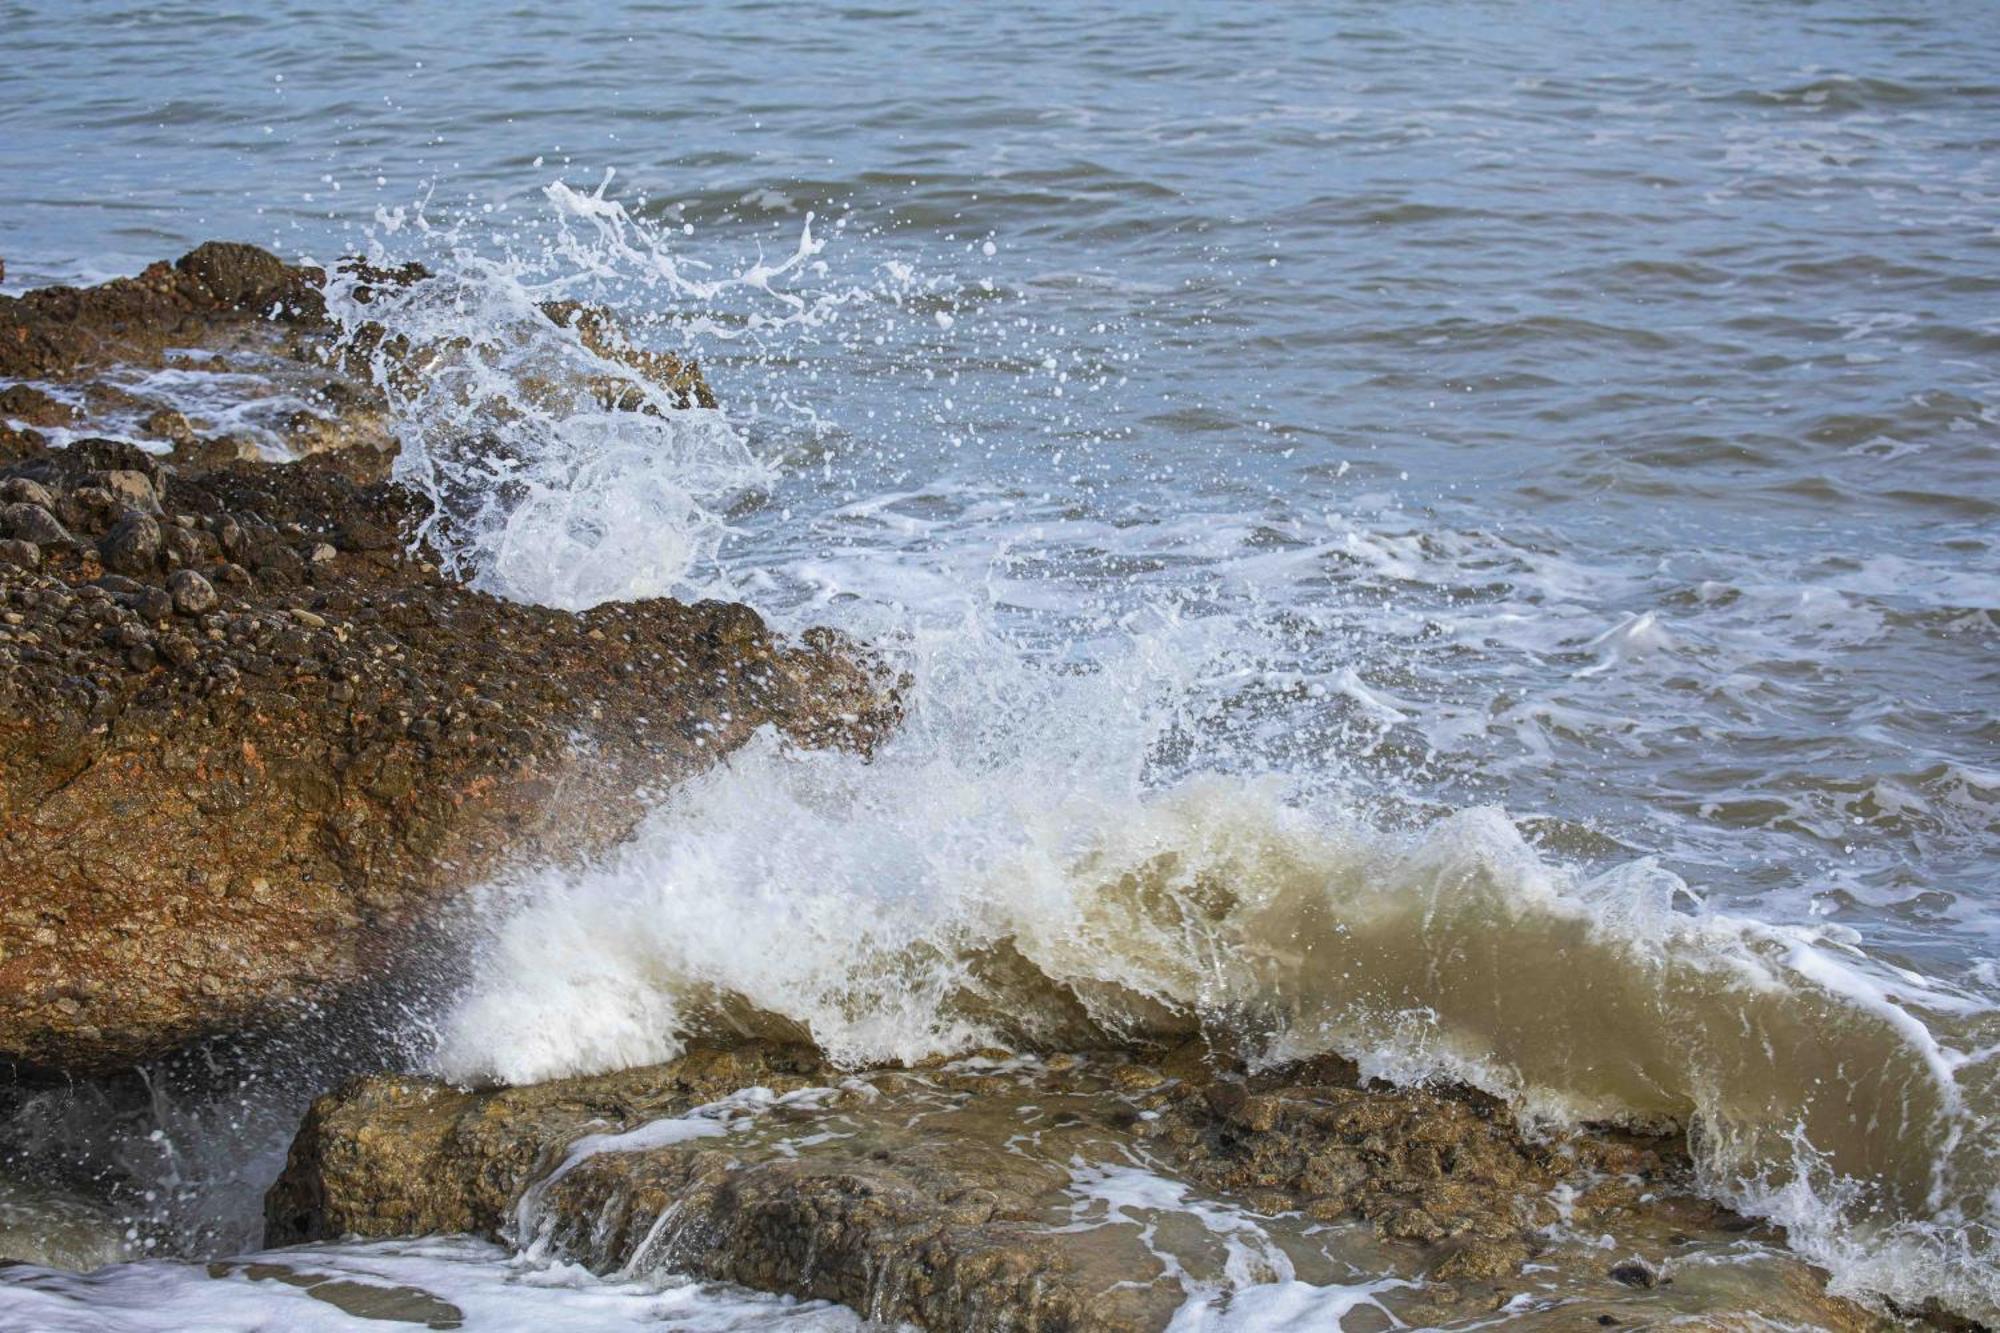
column 237, row 772
column 252, row 744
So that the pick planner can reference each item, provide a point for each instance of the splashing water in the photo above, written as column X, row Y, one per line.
column 1099, row 826
column 1342, row 618
column 556, row 474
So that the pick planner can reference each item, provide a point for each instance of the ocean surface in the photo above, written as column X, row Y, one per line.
column 1479, row 483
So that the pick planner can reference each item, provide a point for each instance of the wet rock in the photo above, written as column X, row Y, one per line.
column 1014, row 1197
column 219, row 451
column 598, row 332
column 242, row 277
column 56, row 333
column 166, row 424
column 305, row 726
column 1634, row 1273
column 192, row 594
column 133, row 544
column 24, row 402
column 946, row 1236
column 32, row 523
column 268, row 736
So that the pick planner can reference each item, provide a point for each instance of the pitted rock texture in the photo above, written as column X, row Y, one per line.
column 957, row 1196
column 61, row 333
column 252, row 746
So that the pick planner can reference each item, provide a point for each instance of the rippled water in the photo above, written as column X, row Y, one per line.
column 1417, row 408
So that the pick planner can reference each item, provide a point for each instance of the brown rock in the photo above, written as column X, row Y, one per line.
column 280, row 747
column 56, row 332
column 307, row 726
column 955, row 1199
column 242, row 277
column 166, row 424
column 24, row 402
column 942, row 1232
column 192, row 594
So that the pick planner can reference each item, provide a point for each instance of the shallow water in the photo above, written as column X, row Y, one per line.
column 1277, row 442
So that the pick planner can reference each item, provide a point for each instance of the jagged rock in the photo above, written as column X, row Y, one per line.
column 1052, row 1194
column 598, row 332
column 242, row 277
column 56, row 333
column 275, row 798
column 211, row 823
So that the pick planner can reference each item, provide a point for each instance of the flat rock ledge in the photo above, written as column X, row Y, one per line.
column 1048, row 1194
column 252, row 742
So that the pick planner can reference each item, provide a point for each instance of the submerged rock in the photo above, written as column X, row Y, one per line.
column 26, row 403
column 1069, row 1192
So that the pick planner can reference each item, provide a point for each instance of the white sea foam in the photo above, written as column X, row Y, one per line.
column 452, row 1281
column 545, row 494
column 1110, row 1195
column 1282, row 1307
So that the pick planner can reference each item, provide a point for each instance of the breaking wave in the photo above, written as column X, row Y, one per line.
column 1075, row 841
column 933, row 902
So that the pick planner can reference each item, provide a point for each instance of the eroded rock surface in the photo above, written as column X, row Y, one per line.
column 1064, row 1193
column 62, row 333
column 250, row 743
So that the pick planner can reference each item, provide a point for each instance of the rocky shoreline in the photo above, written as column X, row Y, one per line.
column 254, row 739
column 258, row 743
column 1040, row 1193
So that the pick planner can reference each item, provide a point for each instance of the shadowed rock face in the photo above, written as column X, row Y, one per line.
column 250, row 745
column 1066, row 1193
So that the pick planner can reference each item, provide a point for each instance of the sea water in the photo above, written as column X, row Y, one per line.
column 1370, row 499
